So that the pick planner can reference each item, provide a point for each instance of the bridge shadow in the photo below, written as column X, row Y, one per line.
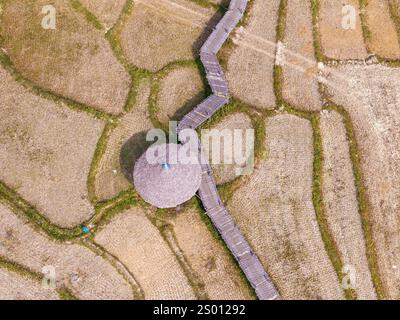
column 206, row 33
column 130, row 152
column 188, row 106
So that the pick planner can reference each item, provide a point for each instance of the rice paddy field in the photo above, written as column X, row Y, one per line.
column 299, row 63
column 23, row 288
column 318, row 206
column 179, row 91
column 208, row 257
column 275, row 212
column 253, row 56
column 336, row 42
column 140, row 246
column 220, row 148
column 83, row 272
column 74, row 60
column 46, row 153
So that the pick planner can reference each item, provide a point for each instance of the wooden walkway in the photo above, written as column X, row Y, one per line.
column 219, row 215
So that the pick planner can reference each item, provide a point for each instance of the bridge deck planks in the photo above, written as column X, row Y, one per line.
column 208, row 192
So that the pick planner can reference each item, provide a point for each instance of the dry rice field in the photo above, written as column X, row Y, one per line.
column 275, row 212
column 139, row 245
column 225, row 172
column 340, row 199
column 180, row 91
column 337, row 42
column 253, row 56
column 300, row 66
column 383, row 39
column 160, row 32
column 125, row 144
column 16, row 287
column 224, row 3
column 208, row 257
column 106, row 11
column 370, row 95
column 46, row 152
column 86, row 274
column 74, row 60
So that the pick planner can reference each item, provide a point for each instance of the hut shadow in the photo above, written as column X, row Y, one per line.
column 131, row 150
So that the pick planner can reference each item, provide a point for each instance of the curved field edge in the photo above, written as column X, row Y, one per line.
column 155, row 87
column 313, row 117
column 121, row 268
column 168, row 234
column 63, row 293
column 197, row 205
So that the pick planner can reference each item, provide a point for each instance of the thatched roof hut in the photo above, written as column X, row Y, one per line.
column 164, row 181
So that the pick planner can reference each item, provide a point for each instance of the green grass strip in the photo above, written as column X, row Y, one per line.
column 66, row 294
column 364, row 26
column 90, row 17
column 327, row 238
column 281, row 25
column 318, row 52
column 96, row 160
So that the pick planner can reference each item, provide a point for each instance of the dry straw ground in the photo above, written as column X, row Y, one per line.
column 180, row 91
column 45, row 152
column 337, row 42
column 74, row 61
column 17, row 287
column 382, row 39
column 255, row 84
column 105, row 10
column 139, row 245
column 85, row 274
column 370, row 95
column 340, row 198
column 125, row 144
column 225, row 172
column 300, row 87
column 275, row 212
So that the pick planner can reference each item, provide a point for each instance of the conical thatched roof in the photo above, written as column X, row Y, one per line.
column 165, row 182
